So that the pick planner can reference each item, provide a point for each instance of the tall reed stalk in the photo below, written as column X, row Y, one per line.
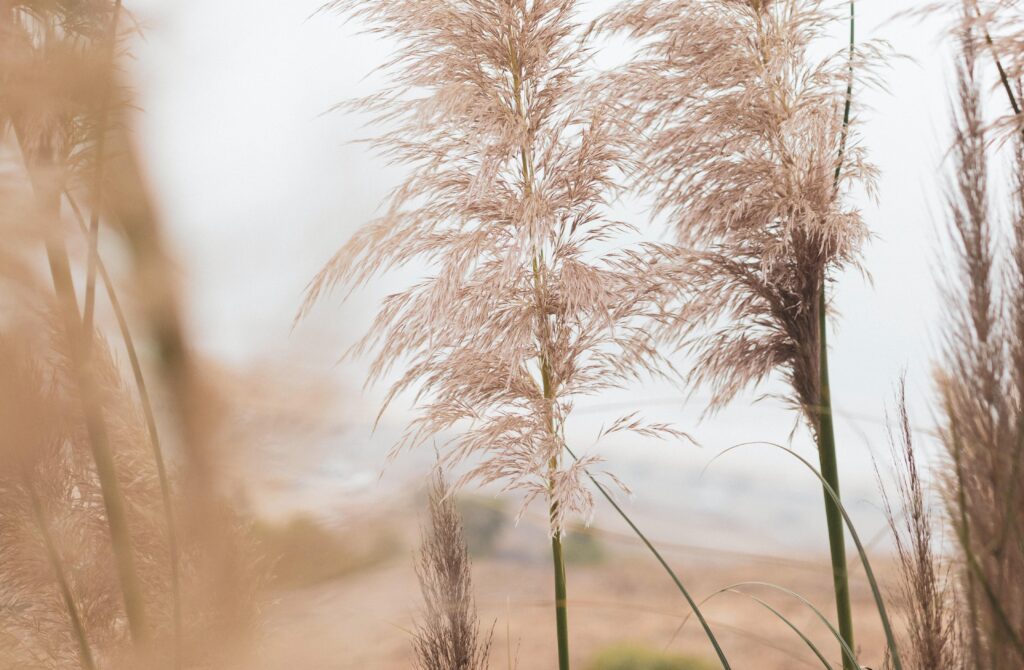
column 527, row 170
column 747, row 159
column 561, row 597
column 44, row 126
column 830, row 473
column 166, row 493
column 512, row 165
column 828, row 461
column 105, row 109
column 42, row 168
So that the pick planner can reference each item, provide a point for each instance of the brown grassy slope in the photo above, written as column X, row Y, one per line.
column 363, row 621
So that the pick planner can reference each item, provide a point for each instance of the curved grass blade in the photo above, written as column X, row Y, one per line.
column 876, row 592
column 781, row 617
column 848, row 653
column 679, row 584
column 154, row 436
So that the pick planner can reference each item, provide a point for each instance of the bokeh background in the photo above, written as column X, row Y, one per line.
column 260, row 181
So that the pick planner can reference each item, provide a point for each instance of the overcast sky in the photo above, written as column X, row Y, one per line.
column 260, row 186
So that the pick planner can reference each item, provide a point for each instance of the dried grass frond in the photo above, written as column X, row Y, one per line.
column 933, row 629
column 999, row 28
column 980, row 383
column 448, row 635
column 56, row 69
column 49, row 465
column 1001, row 25
column 51, row 494
column 528, row 303
column 744, row 134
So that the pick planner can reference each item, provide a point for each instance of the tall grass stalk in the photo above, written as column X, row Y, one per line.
column 561, row 598
column 527, row 170
column 166, row 493
column 42, row 170
column 827, row 458
column 512, row 168
column 830, row 473
column 763, row 219
column 44, row 128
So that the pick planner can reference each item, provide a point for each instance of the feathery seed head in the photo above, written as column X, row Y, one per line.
column 746, row 132
column 511, row 167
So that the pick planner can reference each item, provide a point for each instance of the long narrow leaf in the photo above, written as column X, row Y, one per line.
column 664, row 564
column 781, row 617
column 876, row 592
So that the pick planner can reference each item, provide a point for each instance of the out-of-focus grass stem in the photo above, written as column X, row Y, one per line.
column 154, row 436
column 41, row 170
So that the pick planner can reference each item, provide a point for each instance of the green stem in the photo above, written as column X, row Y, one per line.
column 561, row 611
column 526, row 168
column 846, row 105
column 825, row 428
column 561, row 606
column 830, row 473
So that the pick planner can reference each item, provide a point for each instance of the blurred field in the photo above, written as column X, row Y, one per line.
column 362, row 617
